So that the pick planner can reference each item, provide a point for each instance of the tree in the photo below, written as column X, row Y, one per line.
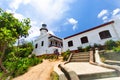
column 110, row 44
column 11, row 29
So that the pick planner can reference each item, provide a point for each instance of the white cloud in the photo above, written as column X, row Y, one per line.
column 102, row 13
column 14, row 5
column 111, row 15
column 51, row 32
column 74, row 27
column 116, row 11
column 73, row 22
column 34, row 31
column 47, row 11
column 16, row 15
column 104, row 18
column 51, row 10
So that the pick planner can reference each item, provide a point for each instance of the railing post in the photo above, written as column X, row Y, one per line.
column 97, row 56
column 91, row 60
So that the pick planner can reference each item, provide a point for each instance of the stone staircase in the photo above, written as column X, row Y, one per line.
column 80, row 57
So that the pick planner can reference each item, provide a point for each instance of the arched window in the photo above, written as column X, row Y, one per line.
column 84, row 40
column 105, row 34
column 70, row 43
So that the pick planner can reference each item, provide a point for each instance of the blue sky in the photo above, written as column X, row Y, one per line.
column 63, row 17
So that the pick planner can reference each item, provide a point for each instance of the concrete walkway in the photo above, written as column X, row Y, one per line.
column 85, row 68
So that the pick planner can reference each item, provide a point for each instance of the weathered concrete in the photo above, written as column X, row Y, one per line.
column 87, row 70
column 71, row 75
column 59, row 72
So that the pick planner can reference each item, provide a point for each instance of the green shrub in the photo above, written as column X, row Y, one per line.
column 110, row 44
column 116, row 49
column 49, row 56
column 87, row 48
column 19, row 66
column 118, row 43
column 80, row 49
column 54, row 76
column 17, row 60
column 66, row 55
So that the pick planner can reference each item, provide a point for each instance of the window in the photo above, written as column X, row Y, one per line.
column 36, row 45
column 51, row 43
column 70, row 43
column 42, row 43
column 104, row 34
column 56, row 43
column 84, row 40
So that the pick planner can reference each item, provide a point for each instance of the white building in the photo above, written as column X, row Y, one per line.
column 98, row 35
column 46, row 43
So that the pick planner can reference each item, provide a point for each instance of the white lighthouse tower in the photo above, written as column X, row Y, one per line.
column 43, row 29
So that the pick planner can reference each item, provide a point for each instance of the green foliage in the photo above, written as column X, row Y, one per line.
column 17, row 62
column 116, row 49
column 110, row 44
column 87, row 48
column 66, row 55
column 25, row 50
column 11, row 29
column 80, row 49
column 48, row 56
column 118, row 43
column 54, row 76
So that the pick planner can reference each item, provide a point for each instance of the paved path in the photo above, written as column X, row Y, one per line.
column 82, row 68
column 86, row 68
column 39, row 72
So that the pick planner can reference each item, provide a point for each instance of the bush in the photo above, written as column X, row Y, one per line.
column 118, row 43
column 16, row 59
column 87, row 48
column 66, row 55
column 110, row 44
column 49, row 56
column 54, row 76
column 17, row 66
column 116, row 49
column 80, row 49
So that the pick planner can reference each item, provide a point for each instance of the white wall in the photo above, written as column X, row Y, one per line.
column 93, row 37
column 44, row 49
column 117, row 27
column 41, row 49
column 52, row 49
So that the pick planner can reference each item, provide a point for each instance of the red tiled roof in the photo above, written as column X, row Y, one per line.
column 90, row 29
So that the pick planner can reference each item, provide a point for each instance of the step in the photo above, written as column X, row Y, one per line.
column 79, row 60
column 96, row 76
column 80, row 53
column 83, row 53
column 80, row 56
